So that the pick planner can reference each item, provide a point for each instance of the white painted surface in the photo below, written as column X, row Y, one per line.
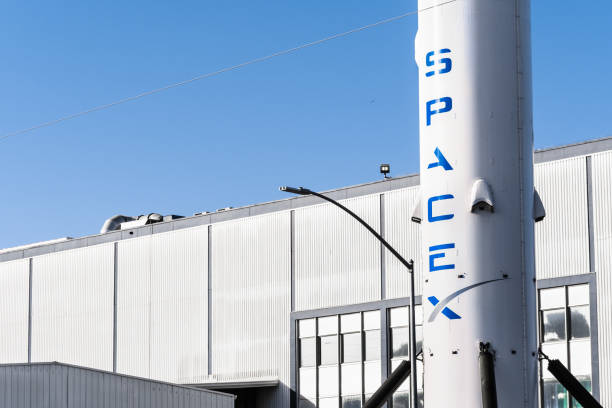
column 133, row 306
column 72, row 307
column 179, row 303
column 251, row 300
column 162, row 301
column 337, row 261
column 14, row 309
column 405, row 236
column 562, row 238
column 602, row 205
column 486, row 134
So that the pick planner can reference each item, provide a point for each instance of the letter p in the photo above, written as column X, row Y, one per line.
column 430, row 111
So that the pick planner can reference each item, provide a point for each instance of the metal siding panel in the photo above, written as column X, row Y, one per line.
column 602, row 206
column 337, row 261
column 14, row 310
column 179, row 304
column 251, row 298
column 72, row 307
column 133, row 306
column 562, row 238
column 405, row 236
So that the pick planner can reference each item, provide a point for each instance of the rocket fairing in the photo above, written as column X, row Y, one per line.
column 477, row 199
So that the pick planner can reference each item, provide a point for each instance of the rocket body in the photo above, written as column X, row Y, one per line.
column 476, row 166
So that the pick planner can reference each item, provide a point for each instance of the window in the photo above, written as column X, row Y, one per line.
column 565, row 334
column 339, row 359
column 399, row 338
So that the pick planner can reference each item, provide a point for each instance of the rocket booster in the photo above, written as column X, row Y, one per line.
column 477, row 199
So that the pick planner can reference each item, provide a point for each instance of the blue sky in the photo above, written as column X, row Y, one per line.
column 323, row 117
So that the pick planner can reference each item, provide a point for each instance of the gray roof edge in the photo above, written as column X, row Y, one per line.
column 56, row 363
column 573, row 150
column 249, row 383
column 373, row 187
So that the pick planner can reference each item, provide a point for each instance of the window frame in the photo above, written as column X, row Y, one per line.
column 382, row 307
column 581, row 279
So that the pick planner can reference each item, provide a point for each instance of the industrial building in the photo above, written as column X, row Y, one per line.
column 292, row 302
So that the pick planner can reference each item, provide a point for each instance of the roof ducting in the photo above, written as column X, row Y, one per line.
column 121, row 222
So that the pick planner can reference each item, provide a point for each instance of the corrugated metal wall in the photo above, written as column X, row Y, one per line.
column 179, row 306
column 14, row 310
column 133, row 306
column 405, row 236
column 59, row 386
column 337, row 261
column 562, row 238
column 162, row 301
column 602, row 204
column 72, row 307
column 251, row 300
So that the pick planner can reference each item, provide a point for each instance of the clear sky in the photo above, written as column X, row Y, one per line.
column 324, row 117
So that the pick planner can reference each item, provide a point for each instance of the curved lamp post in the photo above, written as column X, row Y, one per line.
column 408, row 264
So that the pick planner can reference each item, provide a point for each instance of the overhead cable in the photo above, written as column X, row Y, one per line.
column 214, row 73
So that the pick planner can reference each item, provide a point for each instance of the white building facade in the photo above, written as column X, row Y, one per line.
column 293, row 303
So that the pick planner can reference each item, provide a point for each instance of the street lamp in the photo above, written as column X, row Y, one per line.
column 408, row 264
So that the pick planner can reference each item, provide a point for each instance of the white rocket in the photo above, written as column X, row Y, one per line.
column 477, row 199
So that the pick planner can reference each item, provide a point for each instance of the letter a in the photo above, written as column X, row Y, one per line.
column 441, row 161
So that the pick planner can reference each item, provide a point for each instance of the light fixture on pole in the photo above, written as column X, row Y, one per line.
column 408, row 264
column 385, row 169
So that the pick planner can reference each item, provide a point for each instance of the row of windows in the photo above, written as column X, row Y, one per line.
column 339, row 356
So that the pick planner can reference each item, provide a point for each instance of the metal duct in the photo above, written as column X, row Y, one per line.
column 114, row 223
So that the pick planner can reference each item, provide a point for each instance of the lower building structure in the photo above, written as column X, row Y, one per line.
column 293, row 303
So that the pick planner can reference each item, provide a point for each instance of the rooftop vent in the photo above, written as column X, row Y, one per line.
column 121, row 222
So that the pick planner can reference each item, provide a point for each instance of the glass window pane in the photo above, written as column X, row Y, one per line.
column 398, row 316
column 419, row 374
column 399, row 342
column 401, row 400
column 371, row 320
column 554, row 395
column 405, row 385
column 554, row 350
column 372, row 374
column 372, row 345
column 419, row 338
column 350, row 323
column 578, row 295
column 328, row 402
column 308, row 382
column 552, row 298
column 418, row 314
column 351, row 402
column 308, row 352
column 328, row 381
column 307, row 328
column 351, row 379
column 420, row 398
column 329, row 350
column 580, row 358
column 328, row 325
column 304, row 403
column 580, row 325
column 351, row 347
column 586, row 383
column 553, row 325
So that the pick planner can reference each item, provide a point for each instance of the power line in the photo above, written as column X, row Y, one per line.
column 214, row 73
